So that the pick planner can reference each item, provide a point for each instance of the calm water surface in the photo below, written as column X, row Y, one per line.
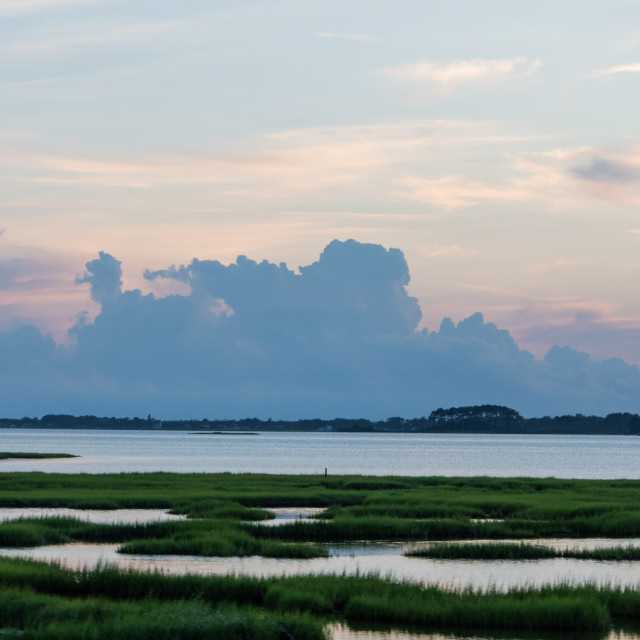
column 385, row 559
column 342, row 632
column 311, row 453
column 102, row 516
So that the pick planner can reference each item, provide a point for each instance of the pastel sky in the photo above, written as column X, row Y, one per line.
column 496, row 143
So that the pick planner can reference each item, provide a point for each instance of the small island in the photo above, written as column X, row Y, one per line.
column 21, row 455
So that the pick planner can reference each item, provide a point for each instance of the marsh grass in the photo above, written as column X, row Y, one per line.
column 541, row 506
column 202, row 537
column 611, row 554
column 56, row 617
column 222, row 511
column 519, row 551
column 345, row 528
column 223, row 543
column 357, row 508
column 34, row 595
column 483, row 551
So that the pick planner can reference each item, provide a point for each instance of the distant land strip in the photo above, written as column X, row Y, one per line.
column 473, row 419
column 224, row 433
column 22, row 455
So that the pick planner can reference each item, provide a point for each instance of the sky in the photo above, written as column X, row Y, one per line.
column 474, row 157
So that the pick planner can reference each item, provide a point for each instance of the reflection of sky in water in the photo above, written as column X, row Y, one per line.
column 382, row 559
column 98, row 516
column 343, row 632
column 284, row 515
column 410, row 454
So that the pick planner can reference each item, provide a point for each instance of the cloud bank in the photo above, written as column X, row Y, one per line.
column 337, row 337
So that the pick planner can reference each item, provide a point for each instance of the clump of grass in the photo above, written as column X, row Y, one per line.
column 617, row 553
column 518, row 551
column 482, row 551
column 226, row 544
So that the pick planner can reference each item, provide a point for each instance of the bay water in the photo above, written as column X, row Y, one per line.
column 411, row 454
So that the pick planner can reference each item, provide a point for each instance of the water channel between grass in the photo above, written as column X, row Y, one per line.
column 383, row 558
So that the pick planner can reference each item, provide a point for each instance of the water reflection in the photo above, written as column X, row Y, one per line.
column 97, row 516
column 412, row 454
column 284, row 515
column 381, row 559
column 344, row 632
column 557, row 544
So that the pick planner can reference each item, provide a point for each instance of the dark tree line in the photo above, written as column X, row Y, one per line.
column 485, row 418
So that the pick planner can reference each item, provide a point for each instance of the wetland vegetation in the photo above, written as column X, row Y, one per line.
column 224, row 510
column 225, row 517
column 47, row 601
column 519, row 551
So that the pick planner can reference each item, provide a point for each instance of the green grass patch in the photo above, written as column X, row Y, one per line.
column 519, row 551
column 49, row 617
column 480, row 551
column 610, row 554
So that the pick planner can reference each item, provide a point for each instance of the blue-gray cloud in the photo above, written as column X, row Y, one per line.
column 337, row 337
column 605, row 170
column 104, row 275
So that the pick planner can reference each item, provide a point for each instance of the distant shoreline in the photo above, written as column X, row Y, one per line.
column 479, row 419
column 26, row 455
